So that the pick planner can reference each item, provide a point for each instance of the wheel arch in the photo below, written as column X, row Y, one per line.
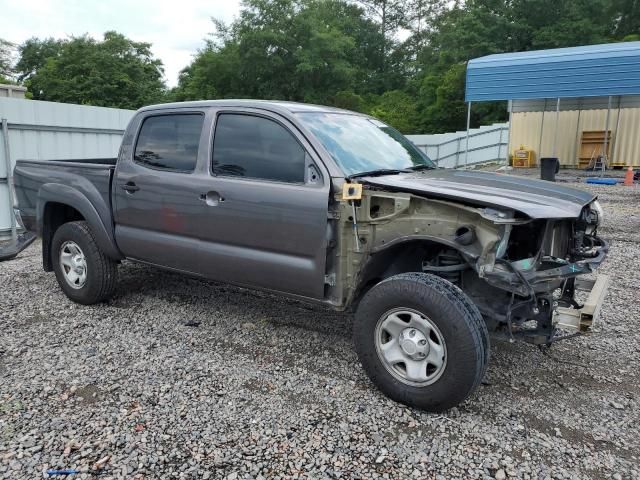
column 402, row 256
column 58, row 204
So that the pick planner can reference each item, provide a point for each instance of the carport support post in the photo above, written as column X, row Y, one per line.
column 613, row 140
column 555, row 136
column 466, row 148
column 510, row 102
column 605, row 157
column 575, row 142
column 7, row 160
column 544, row 108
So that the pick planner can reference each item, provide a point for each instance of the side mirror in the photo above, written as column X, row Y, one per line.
column 313, row 174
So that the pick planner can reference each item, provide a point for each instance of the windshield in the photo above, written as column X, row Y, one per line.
column 360, row 144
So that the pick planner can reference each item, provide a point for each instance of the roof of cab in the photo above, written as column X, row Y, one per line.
column 272, row 105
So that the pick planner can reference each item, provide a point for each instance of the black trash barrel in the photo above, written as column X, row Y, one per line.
column 548, row 168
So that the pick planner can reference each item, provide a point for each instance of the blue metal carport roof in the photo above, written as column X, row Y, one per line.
column 589, row 71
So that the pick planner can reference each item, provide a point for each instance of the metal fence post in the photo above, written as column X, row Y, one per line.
column 485, row 140
column 466, row 149
column 576, row 153
column 614, row 134
column 555, row 135
column 509, row 133
column 7, row 161
column 544, row 109
column 605, row 156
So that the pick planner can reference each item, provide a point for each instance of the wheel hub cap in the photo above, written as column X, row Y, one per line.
column 411, row 347
column 414, row 343
column 73, row 264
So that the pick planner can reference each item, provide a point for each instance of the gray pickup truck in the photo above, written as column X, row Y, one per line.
column 334, row 207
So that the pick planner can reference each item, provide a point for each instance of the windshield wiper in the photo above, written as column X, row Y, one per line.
column 417, row 168
column 380, row 171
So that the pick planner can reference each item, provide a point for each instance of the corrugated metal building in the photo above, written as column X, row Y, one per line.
column 534, row 125
column 556, row 95
column 587, row 71
column 48, row 130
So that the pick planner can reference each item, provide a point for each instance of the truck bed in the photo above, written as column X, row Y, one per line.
column 35, row 180
column 91, row 161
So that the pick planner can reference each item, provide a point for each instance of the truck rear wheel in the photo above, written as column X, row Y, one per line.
column 421, row 341
column 85, row 274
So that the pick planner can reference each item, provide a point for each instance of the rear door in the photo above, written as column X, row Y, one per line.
column 156, row 189
column 266, row 205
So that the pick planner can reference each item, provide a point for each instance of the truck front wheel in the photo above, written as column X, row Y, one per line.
column 85, row 274
column 421, row 341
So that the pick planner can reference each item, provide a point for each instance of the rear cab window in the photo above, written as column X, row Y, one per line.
column 169, row 142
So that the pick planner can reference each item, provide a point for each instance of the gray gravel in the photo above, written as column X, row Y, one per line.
column 181, row 378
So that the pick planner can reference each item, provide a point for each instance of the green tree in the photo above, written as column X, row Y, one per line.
column 6, row 54
column 626, row 15
column 398, row 109
column 114, row 72
column 441, row 104
column 349, row 100
column 390, row 16
column 286, row 49
column 420, row 16
column 554, row 24
column 482, row 27
column 33, row 55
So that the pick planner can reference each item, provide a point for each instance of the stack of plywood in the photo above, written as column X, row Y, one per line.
column 592, row 147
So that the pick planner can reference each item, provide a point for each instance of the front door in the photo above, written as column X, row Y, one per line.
column 266, row 206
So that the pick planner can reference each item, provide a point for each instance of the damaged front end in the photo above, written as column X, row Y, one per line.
column 537, row 263
column 521, row 272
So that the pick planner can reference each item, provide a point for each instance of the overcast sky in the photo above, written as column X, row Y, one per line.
column 175, row 29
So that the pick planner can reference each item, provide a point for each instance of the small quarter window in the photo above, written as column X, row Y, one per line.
column 170, row 142
column 256, row 147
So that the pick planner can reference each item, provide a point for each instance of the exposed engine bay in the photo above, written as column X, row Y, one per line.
column 520, row 272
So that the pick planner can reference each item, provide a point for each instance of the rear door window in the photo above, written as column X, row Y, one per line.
column 257, row 147
column 170, row 142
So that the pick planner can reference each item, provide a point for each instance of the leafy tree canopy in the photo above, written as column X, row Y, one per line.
column 114, row 72
column 348, row 53
column 34, row 54
column 287, row 49
column 6, row 53
column 401, row 60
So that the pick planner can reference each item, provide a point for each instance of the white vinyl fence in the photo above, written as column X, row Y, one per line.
column 47, row 130
column 486, row 144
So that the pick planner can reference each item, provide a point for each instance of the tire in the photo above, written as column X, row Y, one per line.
column 96, row 273
column 442, row 318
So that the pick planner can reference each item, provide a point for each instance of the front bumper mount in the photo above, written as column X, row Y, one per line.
column 584, row 318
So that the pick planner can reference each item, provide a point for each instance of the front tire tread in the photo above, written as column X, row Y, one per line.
column 453, row 311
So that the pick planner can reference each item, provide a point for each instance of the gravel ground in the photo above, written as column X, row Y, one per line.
column 181, row 378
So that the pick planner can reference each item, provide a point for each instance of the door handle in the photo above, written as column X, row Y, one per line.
column 130, row 187
column 213, row 199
